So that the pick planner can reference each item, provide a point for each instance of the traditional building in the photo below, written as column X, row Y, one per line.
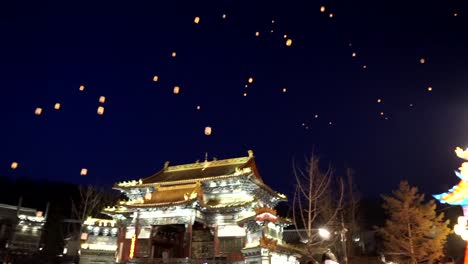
column 203, row 212
column 98, row 241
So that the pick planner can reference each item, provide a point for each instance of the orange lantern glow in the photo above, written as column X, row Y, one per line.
column 155, row 78
column 251, row 80
column 83, row 172
column 102, row 99
column 176, row 89
column 100, row 110
column 14, row 165
column 322, row 9
column 57, row 106
column 289, row 42
column 38, row 111
column 196, row 20
column 207, row 131
column 174, row 54
column 82, row 87
column 257, row 34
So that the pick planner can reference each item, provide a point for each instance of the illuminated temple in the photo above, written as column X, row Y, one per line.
column 203, row 212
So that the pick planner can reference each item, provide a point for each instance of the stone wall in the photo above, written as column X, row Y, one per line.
column 202, row 244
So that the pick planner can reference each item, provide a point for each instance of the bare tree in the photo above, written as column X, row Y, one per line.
column 90, row 201
column 317, row 203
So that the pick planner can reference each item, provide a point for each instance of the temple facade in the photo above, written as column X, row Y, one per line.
column 218, row 211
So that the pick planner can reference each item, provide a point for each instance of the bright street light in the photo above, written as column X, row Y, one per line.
column 325, row 234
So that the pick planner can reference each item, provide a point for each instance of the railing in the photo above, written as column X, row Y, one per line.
column 181, row 261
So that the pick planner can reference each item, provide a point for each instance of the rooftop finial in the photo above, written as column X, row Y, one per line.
column 206, row 156
column 166, row 164
column 251, row 154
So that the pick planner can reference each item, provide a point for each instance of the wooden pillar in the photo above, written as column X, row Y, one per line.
column 216, row 240
column 188, row 240
column 121, row 254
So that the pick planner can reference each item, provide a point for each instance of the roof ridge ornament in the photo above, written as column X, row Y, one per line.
column 251, row 153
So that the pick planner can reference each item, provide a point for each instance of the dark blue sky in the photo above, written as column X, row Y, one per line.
column 115, row 48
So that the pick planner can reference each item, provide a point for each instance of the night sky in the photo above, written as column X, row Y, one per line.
column 330, row 105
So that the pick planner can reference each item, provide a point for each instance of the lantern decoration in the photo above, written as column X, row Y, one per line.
column 14, row 165
column 102, row 99
column 322, row 9
column 284, row 90
column 379, row 100
column 198, row 107
column 176, row 89
column 174, row 54
column 208, row 131
column 353, row 54
column 251, row 80
column 100, row 110
column 245, row 94
column 82, row 88
column 316, row 116
column 57, row 106
column 429, row 88
column 155, row 78
column 458, row 195
column 331, row 15
column 381, row 113
column 38, row 111
column 224, row 16
column 83, row 172
column 364, row 66
column 148, row 196
column 196, row 20
column 289, row 42
column 257, row 34
column 422, row 60
column 285, row 36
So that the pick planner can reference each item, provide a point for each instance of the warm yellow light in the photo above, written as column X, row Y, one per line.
column 83, row 172
column 429, row 88
column 463, row 154
column 176, row 89
column 379, row 100
column 245, row 94
column 455, row 14
column 38, row 111
column 381, row 113
column 207, row 131
column 102, row 99
column 272, row 21
column 82, row 87
column 14, row 165
column 354, row 54
column 100, row 110
column 257, row 34
column 174, row 54
column 288, row 42
column 285, row 36
column 57, row 106
column 251, row 80
column 331, row 15
column 132, row 246
column 322, row 9
column 155, row 78
column 198, row 107
column 422, row 60
column 284, row 90
column 196, row 20
column 148, row 196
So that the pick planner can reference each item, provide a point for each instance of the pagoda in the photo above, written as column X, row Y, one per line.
column 204, row 212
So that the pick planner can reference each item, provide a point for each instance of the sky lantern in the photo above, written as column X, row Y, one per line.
column 379, row 100
column 429, row 88
column 82, row 88
column 257, row 34
column 458, row 195
column 176, row 89
column 422, row 60
column 289, row 42
column 285, row 36
column 208, row 131
column 224, row 16
column 284, row 90
column 331, row 15
column 155, row 78
column 322, row 9
column 196, row 20
column 198, row 107
column 14, row 165
column 83, row 172
column 250, row 80
column 102, row 99
column 38, row 111
column 354, row 54
column 245, row 94
column 174, row 54
column 100, row 110
column 57, row 106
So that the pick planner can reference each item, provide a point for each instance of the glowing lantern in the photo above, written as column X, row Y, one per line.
column 284, row 90
column 14, row 165
column 455, row 14
column 155, row 78
column 289, row 42
column 198, row 107
column 330, row 123
column 354, row 54
column 245, row 94
column 429, row 88
column 224, row 16
column 364, row 66
column 83, row 172
column 57, row 106
column 174, row 54
column 272, row 21
column 285, row 36
column 381, row 113
column 196, row 20
column 257, row 34
column 176, row 89
column 251, row 80
column 316, row 116
column 331, row 15
column 246, row 86
column 379, row 100
column 148, row 196
column 422, row 60
column 207, row 131
column 100, row 110
column 82, row 87
column 102, row 99
column 322, row 9
column 38, row 111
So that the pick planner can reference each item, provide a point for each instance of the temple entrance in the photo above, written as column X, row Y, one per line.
column 168, row 241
